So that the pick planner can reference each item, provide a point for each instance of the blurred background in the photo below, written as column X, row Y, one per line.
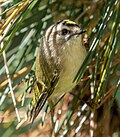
column 92, row 109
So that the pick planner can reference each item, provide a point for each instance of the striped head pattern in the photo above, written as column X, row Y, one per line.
column 62, row 32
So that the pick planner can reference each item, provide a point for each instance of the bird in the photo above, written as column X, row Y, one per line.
column 60, row 55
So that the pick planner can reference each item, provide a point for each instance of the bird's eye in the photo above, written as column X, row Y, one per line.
column 65, row 31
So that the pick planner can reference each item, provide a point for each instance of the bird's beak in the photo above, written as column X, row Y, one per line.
column 77, row 33
column 80, row 32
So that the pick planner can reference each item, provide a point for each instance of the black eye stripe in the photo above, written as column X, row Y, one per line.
column 65, row 31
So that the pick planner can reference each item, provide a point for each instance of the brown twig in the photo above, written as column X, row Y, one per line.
column 15, row 76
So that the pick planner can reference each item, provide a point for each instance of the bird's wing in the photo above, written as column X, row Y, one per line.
column 47, row 79
column 40, row 99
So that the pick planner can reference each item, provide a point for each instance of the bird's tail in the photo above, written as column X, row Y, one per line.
column 38, row 101
column 38, row 106
column 40, row 96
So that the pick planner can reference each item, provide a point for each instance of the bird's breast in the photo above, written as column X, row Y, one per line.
column 71, row 59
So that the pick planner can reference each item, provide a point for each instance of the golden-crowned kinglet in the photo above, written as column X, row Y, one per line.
column 59, row 58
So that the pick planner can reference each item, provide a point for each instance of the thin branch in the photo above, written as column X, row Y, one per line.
column 10, row 83
column 8, row 77
column 16, row 75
